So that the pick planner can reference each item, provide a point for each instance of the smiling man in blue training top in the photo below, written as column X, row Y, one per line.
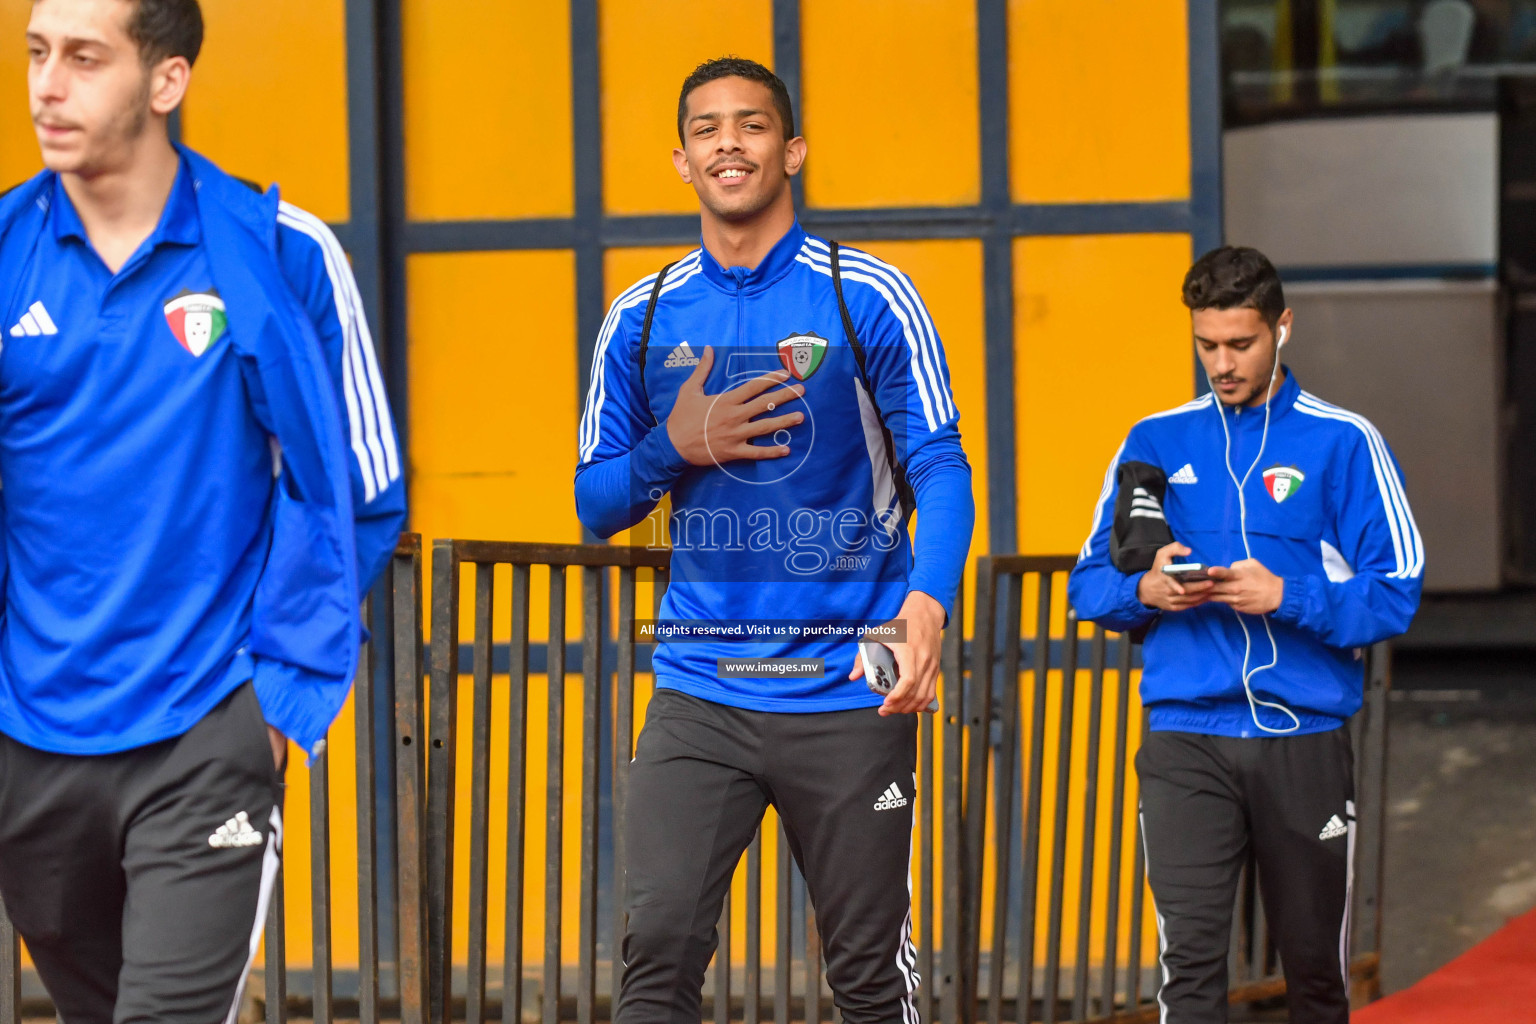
column 793, row 399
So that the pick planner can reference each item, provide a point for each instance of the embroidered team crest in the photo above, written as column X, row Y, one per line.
column 802, row 354
column 1283, row 481
column 197, row 319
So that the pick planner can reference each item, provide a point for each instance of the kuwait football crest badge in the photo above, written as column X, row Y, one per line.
column 197, row 319
column 1283, row 481
column 802, row 354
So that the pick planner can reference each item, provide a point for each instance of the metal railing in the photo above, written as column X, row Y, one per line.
column 1034, row 668
column 1028, row 862
column 608, row 703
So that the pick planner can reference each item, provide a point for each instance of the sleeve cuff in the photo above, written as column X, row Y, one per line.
column 659, row 462
column 1130, row 599
column 1294, row 601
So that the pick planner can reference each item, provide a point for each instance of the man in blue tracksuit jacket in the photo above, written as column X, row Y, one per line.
column 1298, row 509
column 796, row 438
column 200, row 480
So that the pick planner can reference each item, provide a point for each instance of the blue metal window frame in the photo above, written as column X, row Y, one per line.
column 380, row 237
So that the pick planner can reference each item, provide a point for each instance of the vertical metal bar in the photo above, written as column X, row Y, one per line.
column 997, row 269
column 367, row 818
column 587, row 184
column 1205, row 125
column 783, row 951
column 517, row 799
column 410, row 795
column 554, row 805
column 320, row 885
column 753, row 988
column 1371, row 804
column 1138, row 894
column 10, row 970
column 1059, row 820
column 592, row 634
column 1116, row 827
column 1090, row 825
column 812, row 964
column 786, row 64
column 1004, row 769
column 442, row 709
column 275, row 974
column 1030, row 838
column 480, row 792
column 723, row 964
column 623, row 752
column 950, row 987
column 978, row 727
column 926, row 727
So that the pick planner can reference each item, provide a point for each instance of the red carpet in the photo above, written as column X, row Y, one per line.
column 1492, row 983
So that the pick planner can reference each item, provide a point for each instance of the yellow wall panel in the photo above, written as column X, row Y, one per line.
column 19, row 159
column 487, row 109
column 647, row 51
column 1099, row 97
column 493, row 365
column 890, row 97
column 269, row 98
column 1101, row 340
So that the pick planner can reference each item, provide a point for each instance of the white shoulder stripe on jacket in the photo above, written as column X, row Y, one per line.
column 1407, row 545
column 371, row 431
column 590, row 431
column 910, row 301
column 1109, row 474
column 932, row 389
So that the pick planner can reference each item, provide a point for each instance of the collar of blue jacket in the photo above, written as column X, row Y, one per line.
column 779, row 261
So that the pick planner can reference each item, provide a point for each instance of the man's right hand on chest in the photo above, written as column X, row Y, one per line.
column 1157, row 589
column 710, row 430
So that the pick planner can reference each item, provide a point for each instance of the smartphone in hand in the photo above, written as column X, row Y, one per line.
column 1188, row 572
column 880, row 673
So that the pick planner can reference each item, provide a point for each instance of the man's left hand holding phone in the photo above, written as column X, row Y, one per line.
column 1157, row 589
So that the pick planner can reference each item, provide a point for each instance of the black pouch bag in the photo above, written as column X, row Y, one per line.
column 1139, row 529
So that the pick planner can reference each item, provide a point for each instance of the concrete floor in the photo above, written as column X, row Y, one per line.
column 1461, row 826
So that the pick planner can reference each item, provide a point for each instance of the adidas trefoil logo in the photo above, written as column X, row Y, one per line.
column 1185, row 476
column 35, row 321
column 681, row 356
column 890, row 799
column 1333, row 829
column 236, row 831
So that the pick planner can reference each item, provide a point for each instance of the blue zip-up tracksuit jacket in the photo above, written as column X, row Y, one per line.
column 818, row 536
column 187, row 505
column 1326, row 511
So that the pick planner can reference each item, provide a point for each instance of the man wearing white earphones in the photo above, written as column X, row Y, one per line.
column 1259, row 538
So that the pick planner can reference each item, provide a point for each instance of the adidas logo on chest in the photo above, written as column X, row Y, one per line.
column 681, row 356
column 35, row 322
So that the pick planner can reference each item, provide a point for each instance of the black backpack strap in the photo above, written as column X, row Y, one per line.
column 645, row 331
column 903, row 486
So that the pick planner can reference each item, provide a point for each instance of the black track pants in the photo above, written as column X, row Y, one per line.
column 843, row 783
column 139, row 880
column 1205, row 800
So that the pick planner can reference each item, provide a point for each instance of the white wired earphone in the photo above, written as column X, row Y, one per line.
column 1242, row 513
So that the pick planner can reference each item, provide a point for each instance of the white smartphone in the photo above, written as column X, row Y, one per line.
column 1187, row 572
column 880, row 672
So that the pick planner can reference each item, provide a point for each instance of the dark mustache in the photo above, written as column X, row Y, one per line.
column 749, row 165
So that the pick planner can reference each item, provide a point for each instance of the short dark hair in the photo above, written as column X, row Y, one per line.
column 737, row 67
column 166, row 28
column 1235, row 277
